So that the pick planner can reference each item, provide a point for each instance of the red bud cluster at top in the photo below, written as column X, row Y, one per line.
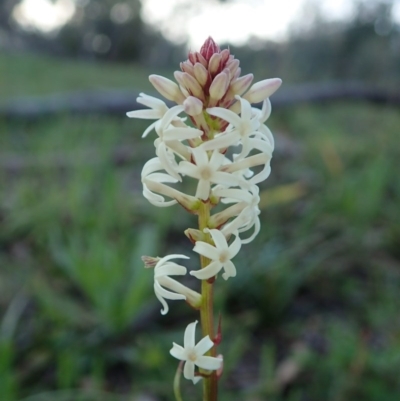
column 218, row 74
column 209, row 48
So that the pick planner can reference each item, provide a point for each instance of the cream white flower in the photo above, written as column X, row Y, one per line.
column 154, row 187
column 243, row 164
column 207, row 171
column 220, row 255
column 168, row 132
column 240, row 129
column 169, row 136
column 248, row 216
column 193, row 354
column 163, row 269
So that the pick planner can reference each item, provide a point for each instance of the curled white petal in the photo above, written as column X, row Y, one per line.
column 167, row 288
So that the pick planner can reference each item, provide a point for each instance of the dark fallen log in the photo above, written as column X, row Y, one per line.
column 115, row 102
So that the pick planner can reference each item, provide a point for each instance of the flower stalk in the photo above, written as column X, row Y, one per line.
column 216, row 101
column 210, row 383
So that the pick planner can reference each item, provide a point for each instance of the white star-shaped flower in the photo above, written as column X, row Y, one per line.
column 207, row 171
column 220, row 255
column 163, row 269
column 169, row 137
column 248, row 216
column 193, row 354
column 240, row 129
column 156, row 111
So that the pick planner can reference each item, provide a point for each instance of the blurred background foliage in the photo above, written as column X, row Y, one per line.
column 313, row 314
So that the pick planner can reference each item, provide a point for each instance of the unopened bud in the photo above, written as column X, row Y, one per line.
column 201, row 73
column 209, row 48
column 214, row 63
column 262, row 90
column 193, row 106
column 187, row 66
column 189, row 83
column 219, row 86
column 233, row 66
column 225, row 56
column 195, row 235
column 149, row 261
column 167, row 88
column 240, row 85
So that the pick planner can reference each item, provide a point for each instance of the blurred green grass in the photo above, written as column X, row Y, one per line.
column 30, row 74
column 313, row 315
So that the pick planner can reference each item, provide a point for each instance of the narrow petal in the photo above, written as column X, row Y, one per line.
column 230, row 270
column 169, row 257
column 180, row 134
column 178, row 352
column 165, row 308
column 236, row 194
column 208, row 362
column 265, row 110
column 188, row 370
column 170, row 115
column 216, row 160
column 155, row 199
column 145, row 114
column 219, row 239
column 189, row 336
column 151, row 101
column 170, row 269
column 200, row 156
column 190, row 169
column 226, row 179
column 203, row 346
column 162, row 292
column 203, row 189
column 148, row 129
column 225, row 114
column 188, row 294
column 234, row 248
column 245, row 111
column 206, row 250
column 262, row 175
column 256, row 231
column 209, row 271
column 222, row 141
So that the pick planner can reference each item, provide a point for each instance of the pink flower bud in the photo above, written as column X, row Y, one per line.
column 201, row 59
column 193, row 106
column 262, row 90
column 225, row 56
column 233, row 66
column 190, row 83
column 167, row 88
column 214, row 64
column 240, row 85
column 201, row 73
column 209, row 48
column 219, row 86
column 187, row 66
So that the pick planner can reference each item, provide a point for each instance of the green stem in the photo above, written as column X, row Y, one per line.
column 210, row 383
